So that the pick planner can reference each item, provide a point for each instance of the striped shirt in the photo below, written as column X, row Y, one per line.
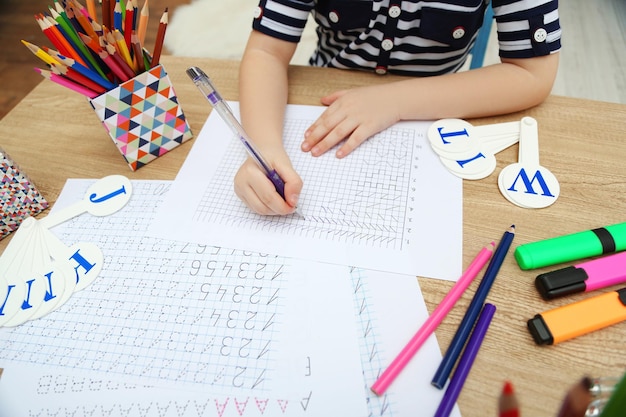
column 420, row 38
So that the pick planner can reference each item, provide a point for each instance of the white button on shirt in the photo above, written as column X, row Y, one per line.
column 540, row 35
column 394, row 11
column 458, row 32
column 333, row 17
column 387, row 44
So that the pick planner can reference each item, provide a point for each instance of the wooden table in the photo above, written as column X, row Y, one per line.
column 53, row 135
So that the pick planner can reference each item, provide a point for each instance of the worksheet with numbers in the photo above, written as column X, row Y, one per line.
column 184, row 329
column 390, row 205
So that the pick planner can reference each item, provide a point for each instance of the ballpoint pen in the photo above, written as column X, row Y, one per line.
column 202, row 81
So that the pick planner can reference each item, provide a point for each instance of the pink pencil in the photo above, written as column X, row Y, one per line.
column 431, row 323
column 67, row 83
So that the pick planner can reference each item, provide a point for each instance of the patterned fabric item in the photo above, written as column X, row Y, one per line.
column 143, row 117
column 19, row 198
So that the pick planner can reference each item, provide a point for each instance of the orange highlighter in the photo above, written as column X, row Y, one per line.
column 564, row 323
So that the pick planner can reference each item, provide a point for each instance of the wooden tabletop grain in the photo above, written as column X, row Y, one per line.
column 54, row 135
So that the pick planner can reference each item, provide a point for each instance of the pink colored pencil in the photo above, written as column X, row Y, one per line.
column 431, row 323
column 67, row 83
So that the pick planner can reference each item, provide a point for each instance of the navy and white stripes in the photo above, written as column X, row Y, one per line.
column 419, row 38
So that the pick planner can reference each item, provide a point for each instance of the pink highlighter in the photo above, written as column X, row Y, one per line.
column 584, row 277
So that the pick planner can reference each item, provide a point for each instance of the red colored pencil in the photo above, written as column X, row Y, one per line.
column 138, row 52
column 73, row 75
column 158, row 46
column 129, row 23
column 113, row 65
column 508, row 405
column 106, row 13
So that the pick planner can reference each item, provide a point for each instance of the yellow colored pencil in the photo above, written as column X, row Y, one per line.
column 120, row 42
column 41, row 54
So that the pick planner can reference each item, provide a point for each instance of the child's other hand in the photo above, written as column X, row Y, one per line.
column 353, row 115
column 257, row 191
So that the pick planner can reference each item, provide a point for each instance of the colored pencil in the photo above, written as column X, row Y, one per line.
column 117, row 16
column 113, row 65
column 143, row 22
column 81, row 18
column 158, row 46
column 464, row 329
column 467, row 360
column 40, row 53
column 61, row 46
column 122, row 49
column 508, row 406
column 105, row 10
column 128, row 71
column 431, row 323
column 138, row 53
column 129, row 23
column 77, row 78
column 67, row 83
column 577, row 399
column 85, row 71
column 91, row 7
column 91, row 43
column 93, row 55
column 74, row 40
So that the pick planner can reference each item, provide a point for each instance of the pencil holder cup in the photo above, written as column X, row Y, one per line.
column 143, row 117
column 19, row 198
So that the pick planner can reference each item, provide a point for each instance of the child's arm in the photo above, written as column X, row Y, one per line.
column 263, row 97
column 513, row 85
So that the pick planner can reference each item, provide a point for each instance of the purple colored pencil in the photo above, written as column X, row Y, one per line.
column 467, row 360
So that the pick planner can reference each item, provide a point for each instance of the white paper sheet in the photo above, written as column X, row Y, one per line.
column 389, row 206
column 231, row 323
column 352, row 321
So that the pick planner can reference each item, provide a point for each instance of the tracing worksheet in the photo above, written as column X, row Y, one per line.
column 390, row 205
column 181, row 329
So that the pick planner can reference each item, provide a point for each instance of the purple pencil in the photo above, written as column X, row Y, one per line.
column 467, row 360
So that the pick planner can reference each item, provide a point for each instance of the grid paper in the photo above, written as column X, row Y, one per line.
column 390, row 205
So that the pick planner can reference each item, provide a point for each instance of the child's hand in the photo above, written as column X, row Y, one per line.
column 353, row 115
column 259, row 194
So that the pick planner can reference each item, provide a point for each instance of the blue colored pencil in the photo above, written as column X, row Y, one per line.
column 462, row 333
column 87, row 72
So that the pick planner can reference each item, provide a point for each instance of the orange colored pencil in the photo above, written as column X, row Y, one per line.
column 143, row 22
column 91, row 43
column 91, row 7
column 72, row 10
column 158, row 46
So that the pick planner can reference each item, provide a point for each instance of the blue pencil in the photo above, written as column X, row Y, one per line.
column 83, row 70
column 462, row 333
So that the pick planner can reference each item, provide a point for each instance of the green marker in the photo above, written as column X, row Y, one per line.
column 572, row 247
